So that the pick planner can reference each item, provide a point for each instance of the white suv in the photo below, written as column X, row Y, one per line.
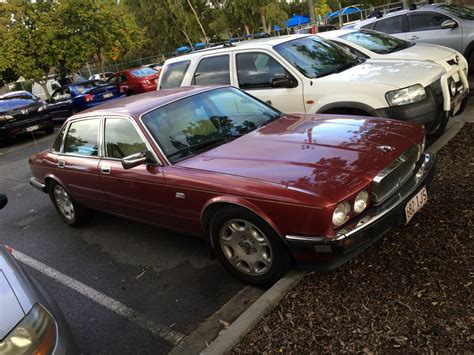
column 306, row 73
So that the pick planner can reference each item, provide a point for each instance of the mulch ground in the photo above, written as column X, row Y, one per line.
column 409, row 293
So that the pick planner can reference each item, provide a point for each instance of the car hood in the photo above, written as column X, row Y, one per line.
column 325, row 155
column 14, row 104
column 394, row 73
column 12, row 311
column 422, row 51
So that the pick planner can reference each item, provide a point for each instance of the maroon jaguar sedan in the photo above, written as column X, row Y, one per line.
column 263, row 189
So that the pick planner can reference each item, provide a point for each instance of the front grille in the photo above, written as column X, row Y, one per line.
column 394, row 175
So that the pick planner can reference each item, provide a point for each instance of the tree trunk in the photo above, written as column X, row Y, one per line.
column 312, row 16
column 247, row 29
column 198, row 21
column 264, row 21
column 44, row 85
column 101, row 61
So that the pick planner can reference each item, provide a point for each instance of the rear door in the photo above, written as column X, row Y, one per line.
column 426, row 27
column 254, row 73
column 393, row 25
column 78, row 162
column 140, row 192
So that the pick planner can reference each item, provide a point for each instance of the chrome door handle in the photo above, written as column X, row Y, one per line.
column 105, row 169
column 61, row 164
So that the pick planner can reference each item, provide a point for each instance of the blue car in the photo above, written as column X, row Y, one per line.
column 72, row 98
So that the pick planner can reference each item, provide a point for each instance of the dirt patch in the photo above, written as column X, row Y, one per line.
column 411, row 292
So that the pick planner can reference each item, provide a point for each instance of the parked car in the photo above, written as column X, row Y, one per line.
column 22, row 112
column 262, row 188
column 72, row 98
column 307, row 73
column 313, row 29
column 101, row 76
column 444, row 24
column 136, row 80
column 377, row 45
column 31, row 321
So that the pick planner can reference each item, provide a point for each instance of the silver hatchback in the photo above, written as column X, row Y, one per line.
column 443, row 24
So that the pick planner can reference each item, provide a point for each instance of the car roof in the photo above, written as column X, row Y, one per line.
column 429, row 7
column 136, row 105
column 248, row 44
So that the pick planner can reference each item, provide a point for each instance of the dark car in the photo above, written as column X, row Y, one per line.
column 136, row 80
column 262, row 188
column 72, row 98
column 22, row 112
column 31, row 321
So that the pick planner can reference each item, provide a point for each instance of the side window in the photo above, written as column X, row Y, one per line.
column 112, row 80
column 213, row 70
column 121, row 138
column 390, row 25
column 123, row 78
column 256, row 70
column 58, row 141
column 174, row 74
column 57, row 95
column 426, row 21
column 82, row 138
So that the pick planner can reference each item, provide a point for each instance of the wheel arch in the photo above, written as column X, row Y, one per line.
column 347, row 105
column 213, row 205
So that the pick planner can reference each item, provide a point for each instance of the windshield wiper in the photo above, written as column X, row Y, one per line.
column 206, row 144
column 400, row 47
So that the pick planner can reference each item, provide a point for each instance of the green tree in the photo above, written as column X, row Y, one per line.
column 321, row 8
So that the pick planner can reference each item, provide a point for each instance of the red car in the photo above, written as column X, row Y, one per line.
column 136, row 80
column 262, row 188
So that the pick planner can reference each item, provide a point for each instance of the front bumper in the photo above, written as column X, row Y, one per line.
column 10, row 129
column 324, row 253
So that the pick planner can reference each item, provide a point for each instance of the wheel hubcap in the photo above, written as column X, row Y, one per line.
column 64, row 202
column 246, row 247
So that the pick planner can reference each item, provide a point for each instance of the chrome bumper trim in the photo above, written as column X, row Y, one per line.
column 410, row 186
column 37, row 184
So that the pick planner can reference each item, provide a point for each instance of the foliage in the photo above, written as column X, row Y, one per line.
column 321, row 8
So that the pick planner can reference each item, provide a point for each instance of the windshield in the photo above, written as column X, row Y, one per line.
column 17, row 96
column 143, row 72
column 196, row 123
column 376, row 42
column 459, row 11
column 83, row 87
column 315, row 57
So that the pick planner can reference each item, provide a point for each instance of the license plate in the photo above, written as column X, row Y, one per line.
column 32, row 128
column 106, row 96
column 416, row 203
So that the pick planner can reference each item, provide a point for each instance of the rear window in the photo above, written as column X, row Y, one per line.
column 174, row 74
column 80, row 88
column 143, row 72
column 212, row 70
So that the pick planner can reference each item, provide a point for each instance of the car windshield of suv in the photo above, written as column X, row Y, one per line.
column 197, row 123
column 460, row 11
column 143, row 72
column 315, row 57
column 377, row 42
column 83, row 87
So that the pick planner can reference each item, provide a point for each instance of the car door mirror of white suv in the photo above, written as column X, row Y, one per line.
column 282, row 81
column 449, row 24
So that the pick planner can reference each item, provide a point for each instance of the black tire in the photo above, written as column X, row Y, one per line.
column 49, row 129
column 440, row 130
column 346, row 111
column 79, row 214
column 280, row 257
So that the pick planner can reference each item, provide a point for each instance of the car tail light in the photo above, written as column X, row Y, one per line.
column 89, row 97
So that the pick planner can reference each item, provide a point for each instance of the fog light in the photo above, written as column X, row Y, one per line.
column 361, row 201
column 341, row 214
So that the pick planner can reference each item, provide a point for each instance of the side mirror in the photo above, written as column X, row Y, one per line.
column 281, row 81
column 138, row 159
column 449, row 24
column 3, row 200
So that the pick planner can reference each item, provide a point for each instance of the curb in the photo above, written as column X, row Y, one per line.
column 247, row 320
column 446, row 137
column 270, row 299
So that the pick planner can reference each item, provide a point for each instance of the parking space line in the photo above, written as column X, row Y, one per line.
column 111, row 304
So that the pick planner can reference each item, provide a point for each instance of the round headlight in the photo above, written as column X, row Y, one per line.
column 341, row 214
column 452, row 87
column 361, row 201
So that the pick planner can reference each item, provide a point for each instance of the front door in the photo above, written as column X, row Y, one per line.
column 140, row 192
column 255, row 72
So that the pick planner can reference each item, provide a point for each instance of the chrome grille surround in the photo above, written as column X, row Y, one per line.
column 394, row 175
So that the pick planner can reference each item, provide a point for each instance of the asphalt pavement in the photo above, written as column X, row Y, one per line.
column 122, row 286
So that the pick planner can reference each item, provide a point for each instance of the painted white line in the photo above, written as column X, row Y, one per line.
column 111, row 304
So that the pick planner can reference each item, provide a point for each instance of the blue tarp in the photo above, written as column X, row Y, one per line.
column 297, row 20
column 345, row 11
column 183, row 49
